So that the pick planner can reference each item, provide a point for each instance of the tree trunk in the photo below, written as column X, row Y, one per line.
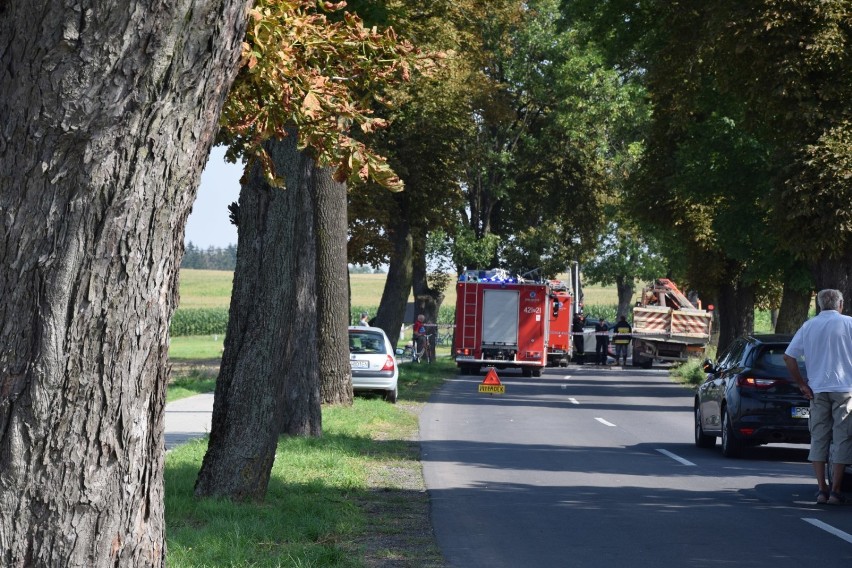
column 109, row 110
column 835, row 273
column 331, row 223
column 268, row 379
column 427, row 301
column 736, row 311
column 794, row 310
column 624, row 287
column 398, row 283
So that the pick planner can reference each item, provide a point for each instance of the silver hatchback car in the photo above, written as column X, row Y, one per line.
column 373, row 363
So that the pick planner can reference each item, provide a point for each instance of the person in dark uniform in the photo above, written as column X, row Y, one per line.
column 577, row 326
column 601, row 341
column 621, row 339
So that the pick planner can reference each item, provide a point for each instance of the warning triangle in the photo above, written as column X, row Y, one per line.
column 491, row 378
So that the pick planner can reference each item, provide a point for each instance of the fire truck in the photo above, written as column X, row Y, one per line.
column 508, row 322
column 667, row 326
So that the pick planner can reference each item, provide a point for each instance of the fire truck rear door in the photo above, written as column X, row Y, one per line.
column 500, row 317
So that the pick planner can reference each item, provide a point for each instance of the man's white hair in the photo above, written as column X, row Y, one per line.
column 829, row 299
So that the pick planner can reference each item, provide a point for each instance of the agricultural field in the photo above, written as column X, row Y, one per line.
column 205, row 295
column 212, row 289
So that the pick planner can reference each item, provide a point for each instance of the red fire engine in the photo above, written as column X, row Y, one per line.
column 508, row 322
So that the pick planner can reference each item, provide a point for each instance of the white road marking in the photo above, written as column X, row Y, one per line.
column 675, row 457
column 573, row 401
column 829, row 529
column 604, row 422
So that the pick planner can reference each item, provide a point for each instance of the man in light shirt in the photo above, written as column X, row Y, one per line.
column 825, row 341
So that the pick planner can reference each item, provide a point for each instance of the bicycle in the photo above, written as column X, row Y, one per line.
column 423, row 351
column 445, row 338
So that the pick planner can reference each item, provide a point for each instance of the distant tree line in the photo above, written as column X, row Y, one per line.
column 364, row 269
column 211, row 259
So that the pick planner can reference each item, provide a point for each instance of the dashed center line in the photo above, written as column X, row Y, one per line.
column 829, row 529
column 604, row 422
column 675, row 457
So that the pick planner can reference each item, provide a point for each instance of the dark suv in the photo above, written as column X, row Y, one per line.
column 749, row 397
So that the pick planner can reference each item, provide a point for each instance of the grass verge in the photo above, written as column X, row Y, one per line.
column 353, row 498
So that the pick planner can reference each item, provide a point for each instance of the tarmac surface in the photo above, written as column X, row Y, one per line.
column 188, row 418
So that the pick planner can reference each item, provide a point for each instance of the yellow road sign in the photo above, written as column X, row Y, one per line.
column 492, row 389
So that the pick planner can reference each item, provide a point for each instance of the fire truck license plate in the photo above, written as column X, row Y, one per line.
column 801, row 412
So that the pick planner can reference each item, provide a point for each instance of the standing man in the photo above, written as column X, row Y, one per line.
column 601, row 341
column 825, row 341
column 577, row 334
column 364, row 322
column 621, row 339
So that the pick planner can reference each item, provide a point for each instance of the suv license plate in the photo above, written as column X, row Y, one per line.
column 801, row 412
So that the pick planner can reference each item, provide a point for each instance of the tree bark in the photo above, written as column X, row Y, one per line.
column 624, row 287
column 835, row 273
column 268, row 381
column 330, row 219
column 398, row 283
column 793, row 311
column 109, row 111
column 736, row 311
column 427, row 301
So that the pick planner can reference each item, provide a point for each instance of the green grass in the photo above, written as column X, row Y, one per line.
column 191, row 382
column 191, row 347
column 316, row 511
column 205, row 288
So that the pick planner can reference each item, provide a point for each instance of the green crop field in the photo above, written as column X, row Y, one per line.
column 212, row 289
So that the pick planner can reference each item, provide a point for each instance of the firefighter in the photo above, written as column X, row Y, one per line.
column 621, row 339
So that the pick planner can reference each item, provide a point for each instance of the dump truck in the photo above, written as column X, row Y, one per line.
column 667, row 326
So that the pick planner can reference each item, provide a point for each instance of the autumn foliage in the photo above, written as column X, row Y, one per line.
column 302, row 71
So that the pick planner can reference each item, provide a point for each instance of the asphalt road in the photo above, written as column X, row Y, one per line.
column 587, row 467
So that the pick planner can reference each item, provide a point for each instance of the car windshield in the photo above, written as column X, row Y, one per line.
column 771, row 360
column 366, row 342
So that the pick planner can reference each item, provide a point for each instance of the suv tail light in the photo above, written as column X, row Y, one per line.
column 388, row 364
column 756, row 383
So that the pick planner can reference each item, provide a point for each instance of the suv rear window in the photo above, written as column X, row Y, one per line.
column 366, row 342
column 771, row 359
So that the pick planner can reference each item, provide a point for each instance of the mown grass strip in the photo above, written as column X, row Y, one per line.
column 334, row 501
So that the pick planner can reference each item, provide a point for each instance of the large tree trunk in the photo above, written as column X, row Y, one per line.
column 398, row 284
column 794, row 310
column 427, row 301
column 109, row 110
column 332, row 271
column 624, row 286
column 835, row 273
column 736, row 311
column 268, row 380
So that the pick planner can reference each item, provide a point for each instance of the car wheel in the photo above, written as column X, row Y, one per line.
column 702, row 440
column 536, row 372
column 731, row 446
column 392, row 395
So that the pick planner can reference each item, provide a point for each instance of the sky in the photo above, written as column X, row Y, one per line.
column 208, row 224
